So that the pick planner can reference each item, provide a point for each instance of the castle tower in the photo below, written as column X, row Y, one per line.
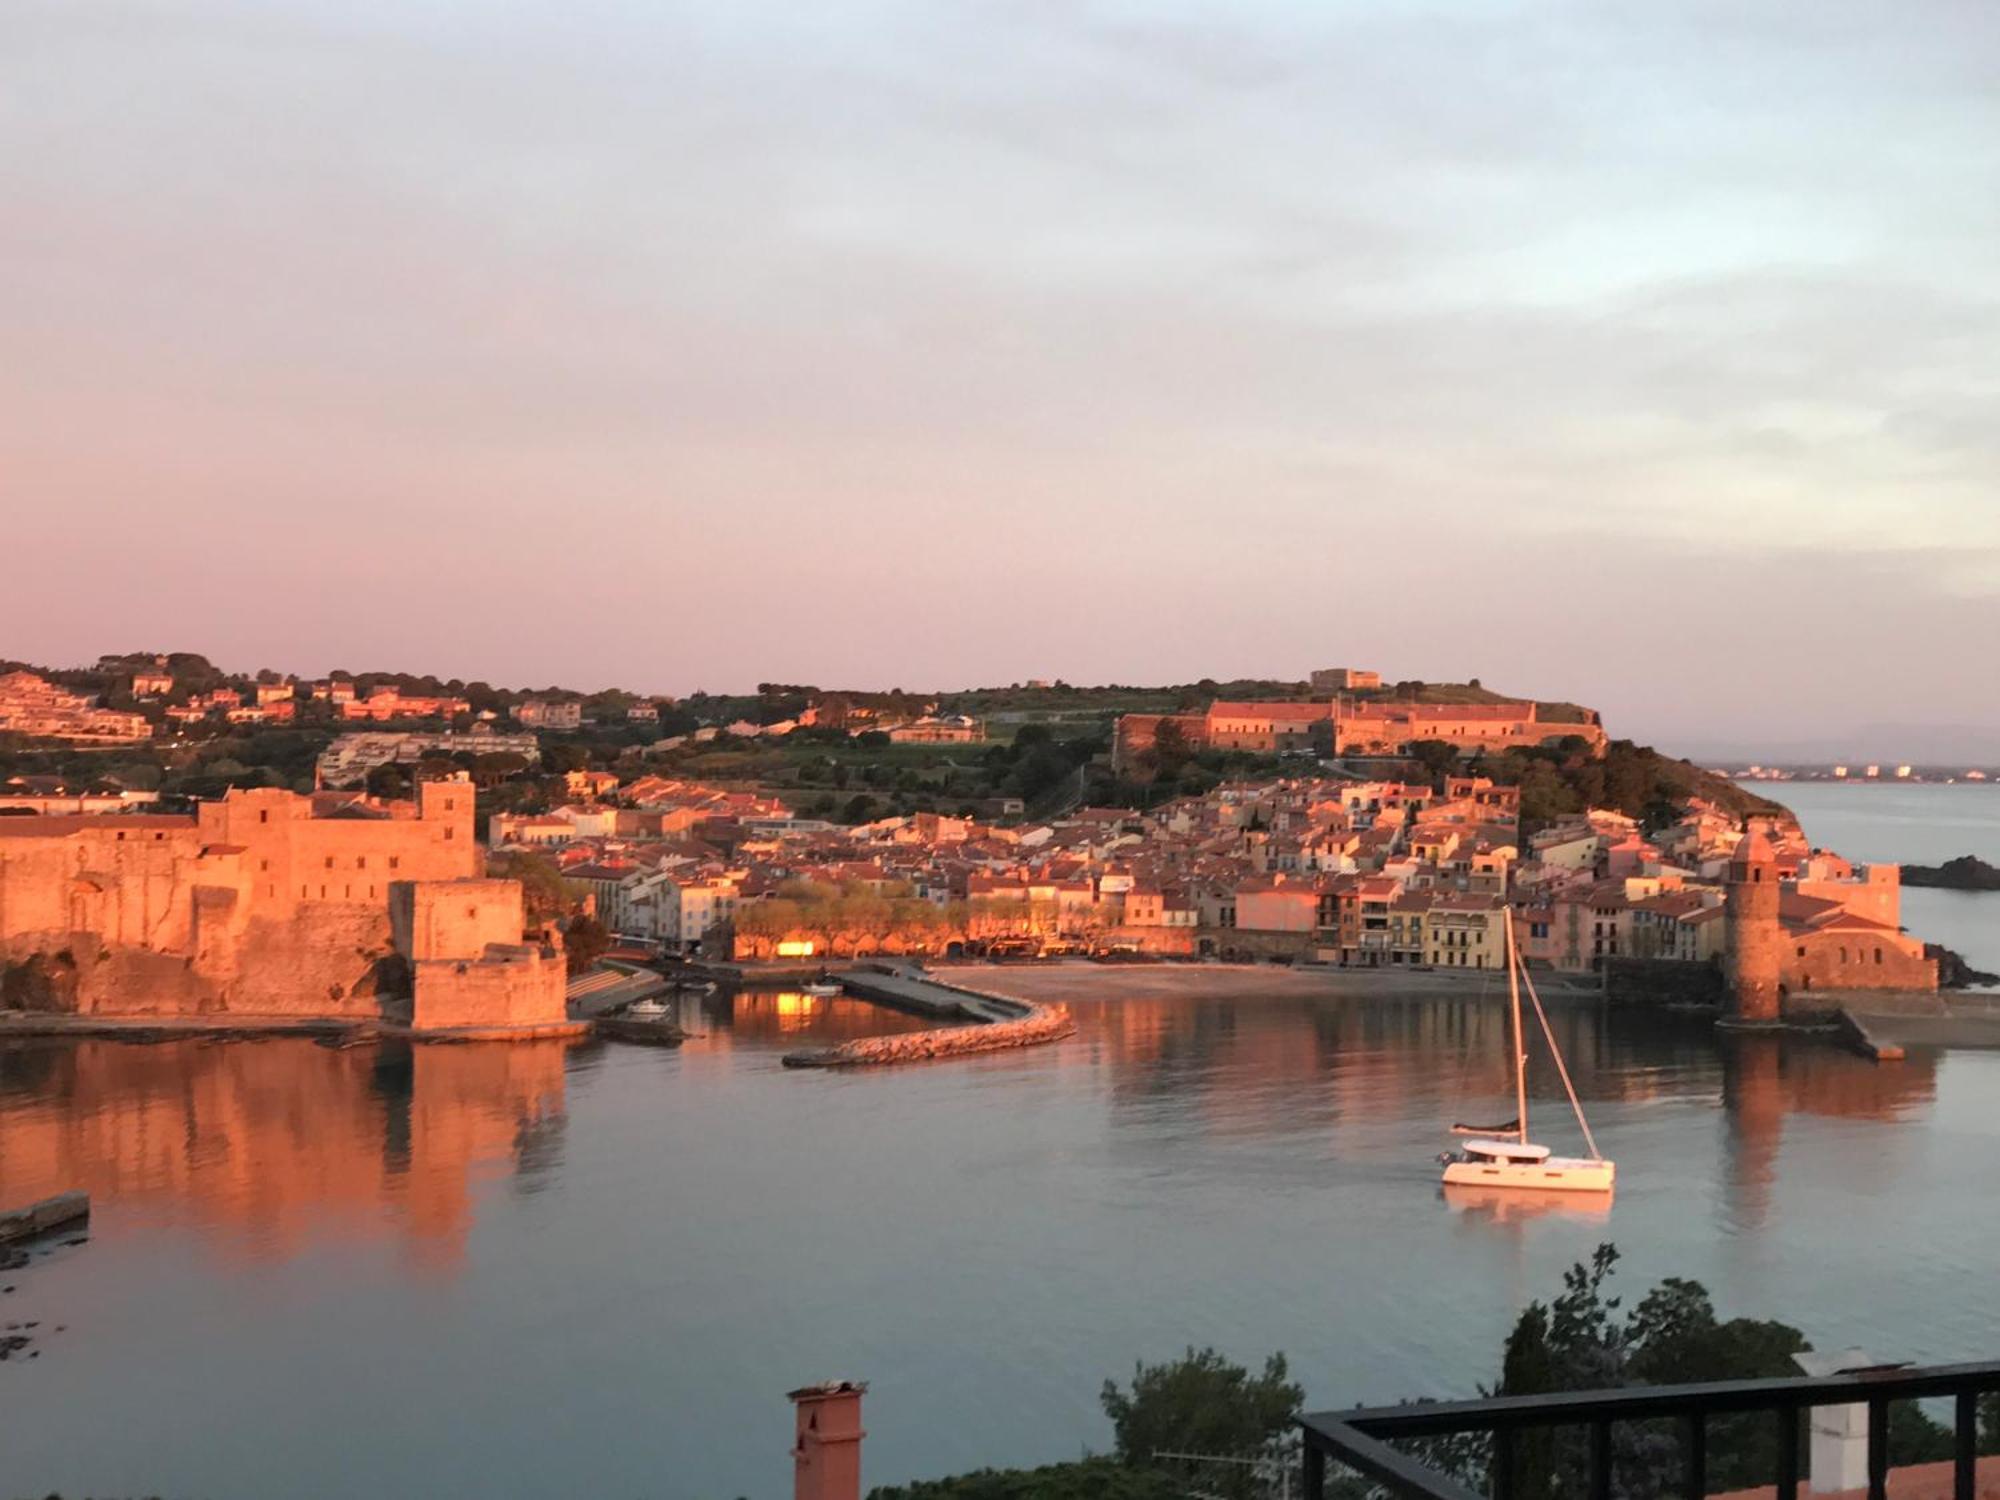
column 1753, row 955
column 448, row 805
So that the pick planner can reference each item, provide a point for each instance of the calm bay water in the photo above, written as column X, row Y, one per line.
column 541, row 1269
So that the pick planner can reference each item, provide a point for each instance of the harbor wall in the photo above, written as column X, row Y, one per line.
column 1663, row 981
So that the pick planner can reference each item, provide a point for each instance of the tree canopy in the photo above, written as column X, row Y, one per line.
column 1202, row 1403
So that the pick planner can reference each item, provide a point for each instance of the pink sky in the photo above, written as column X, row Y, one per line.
column 952, row 346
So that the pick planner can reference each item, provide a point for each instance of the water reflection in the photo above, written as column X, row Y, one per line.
column 1256, row 1173
column 758, row 1018
column 1521, row 1205
column 268, row 1143
column 1766, row 1078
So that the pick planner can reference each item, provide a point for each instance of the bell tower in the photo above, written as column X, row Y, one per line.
column 1753, row 955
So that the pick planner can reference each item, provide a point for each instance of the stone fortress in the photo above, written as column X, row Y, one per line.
column 266, row 905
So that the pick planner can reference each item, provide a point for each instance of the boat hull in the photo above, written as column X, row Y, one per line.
column 1555, row 1174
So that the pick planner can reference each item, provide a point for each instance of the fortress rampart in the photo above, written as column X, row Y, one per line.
column 267, row 903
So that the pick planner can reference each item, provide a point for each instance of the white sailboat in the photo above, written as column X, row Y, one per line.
column 1502, row 1156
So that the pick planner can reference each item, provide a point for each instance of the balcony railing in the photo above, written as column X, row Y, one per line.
column 1363, row 1439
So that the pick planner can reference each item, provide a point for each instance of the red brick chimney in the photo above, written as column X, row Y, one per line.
column 826, row 1458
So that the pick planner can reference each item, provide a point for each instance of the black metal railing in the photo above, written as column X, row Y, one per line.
column 1363, row 1439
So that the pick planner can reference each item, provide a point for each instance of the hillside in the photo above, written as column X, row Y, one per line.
column 1039, row 738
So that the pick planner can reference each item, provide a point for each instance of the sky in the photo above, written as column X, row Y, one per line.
column 1637, row 352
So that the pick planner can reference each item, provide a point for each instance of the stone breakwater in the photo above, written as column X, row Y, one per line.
column 1048, row 1023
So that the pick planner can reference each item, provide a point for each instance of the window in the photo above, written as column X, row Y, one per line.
column 329, row 861
column 360, row 861
column 449, row 832
column 264, row 816
column 395, row 861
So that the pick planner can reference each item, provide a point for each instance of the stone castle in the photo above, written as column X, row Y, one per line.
column 270, row 904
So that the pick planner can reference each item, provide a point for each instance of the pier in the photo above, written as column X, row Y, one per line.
column 988, row 1022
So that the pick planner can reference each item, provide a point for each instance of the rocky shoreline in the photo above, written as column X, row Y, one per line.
column 1954, row 973
column 1966, row 873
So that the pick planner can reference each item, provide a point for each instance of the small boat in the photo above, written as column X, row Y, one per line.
column 648, row 1009
column 1488, row 1159
column 695, row 987
column 822, row 988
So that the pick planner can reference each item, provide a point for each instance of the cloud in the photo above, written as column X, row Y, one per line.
column 1011, row 339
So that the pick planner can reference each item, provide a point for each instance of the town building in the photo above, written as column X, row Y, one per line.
column 37, row 709
column 349, row 758
column 955, row 729
column 549, row 713
column 1387, row 728
column 1330, row 680
column 388, row 704
column 1346, row 727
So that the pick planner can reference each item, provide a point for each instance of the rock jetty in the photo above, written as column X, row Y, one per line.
column 1043, row 1023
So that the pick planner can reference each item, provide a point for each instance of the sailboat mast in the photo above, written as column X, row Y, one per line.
column 1520, row 1037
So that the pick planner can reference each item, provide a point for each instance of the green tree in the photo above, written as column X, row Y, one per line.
column 1438, row 757
column 1527, row 1368
column 494, row 766
column 584, row 942
column 547, row 893
column 388, row 782
column 1202, row 1403
column 1092, row 1479
column 1171, row 749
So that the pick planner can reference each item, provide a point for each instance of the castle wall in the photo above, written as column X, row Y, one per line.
column 455, row 919
column 291, row 858
column 127, row 880
column 524, row 987
column 1663, row 981
column 1876, row 893
column 1815, row 962
column 254, row 907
